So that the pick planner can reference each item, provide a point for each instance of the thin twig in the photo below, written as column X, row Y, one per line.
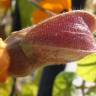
column 83, row 88
column 35, row 3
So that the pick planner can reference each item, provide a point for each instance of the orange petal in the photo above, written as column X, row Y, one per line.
column 3, row 77
column 4, row 60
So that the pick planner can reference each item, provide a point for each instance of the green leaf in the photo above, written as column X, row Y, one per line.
column 5, row 88
column 29, row 89
column 26, row 9
column 63, row 84
column 87, row 68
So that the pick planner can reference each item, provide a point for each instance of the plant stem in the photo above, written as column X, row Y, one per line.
column 13, row 91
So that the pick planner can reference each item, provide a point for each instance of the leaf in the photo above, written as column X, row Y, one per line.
column 29, row 89
column 87, row 68
column 26, row 9
column 63, row 84
column 5, row 88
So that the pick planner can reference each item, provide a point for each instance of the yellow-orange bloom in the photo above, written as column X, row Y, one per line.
column 5, row 3
column 56, row 6
column 4, row 61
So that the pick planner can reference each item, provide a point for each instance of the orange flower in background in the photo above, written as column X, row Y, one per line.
column 4, row 6
column 39, row 16
column 3, row 77
column 4, row 63
column 56, row 6
column 5, row 3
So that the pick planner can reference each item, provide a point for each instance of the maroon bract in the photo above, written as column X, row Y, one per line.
column 58, row 40
column 68, row 30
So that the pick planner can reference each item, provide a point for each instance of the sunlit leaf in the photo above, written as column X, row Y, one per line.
column 29, row 89
column 6, row 87
column 87, row 68
column 63, row 84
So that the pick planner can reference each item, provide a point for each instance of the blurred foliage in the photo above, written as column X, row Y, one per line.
column 63, row 84
column 31, row 88
column 5, row 88
column 27, row 88
column 87, row 68
column 26, row 9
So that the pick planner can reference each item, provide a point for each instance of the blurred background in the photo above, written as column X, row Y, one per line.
column 57, row 80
